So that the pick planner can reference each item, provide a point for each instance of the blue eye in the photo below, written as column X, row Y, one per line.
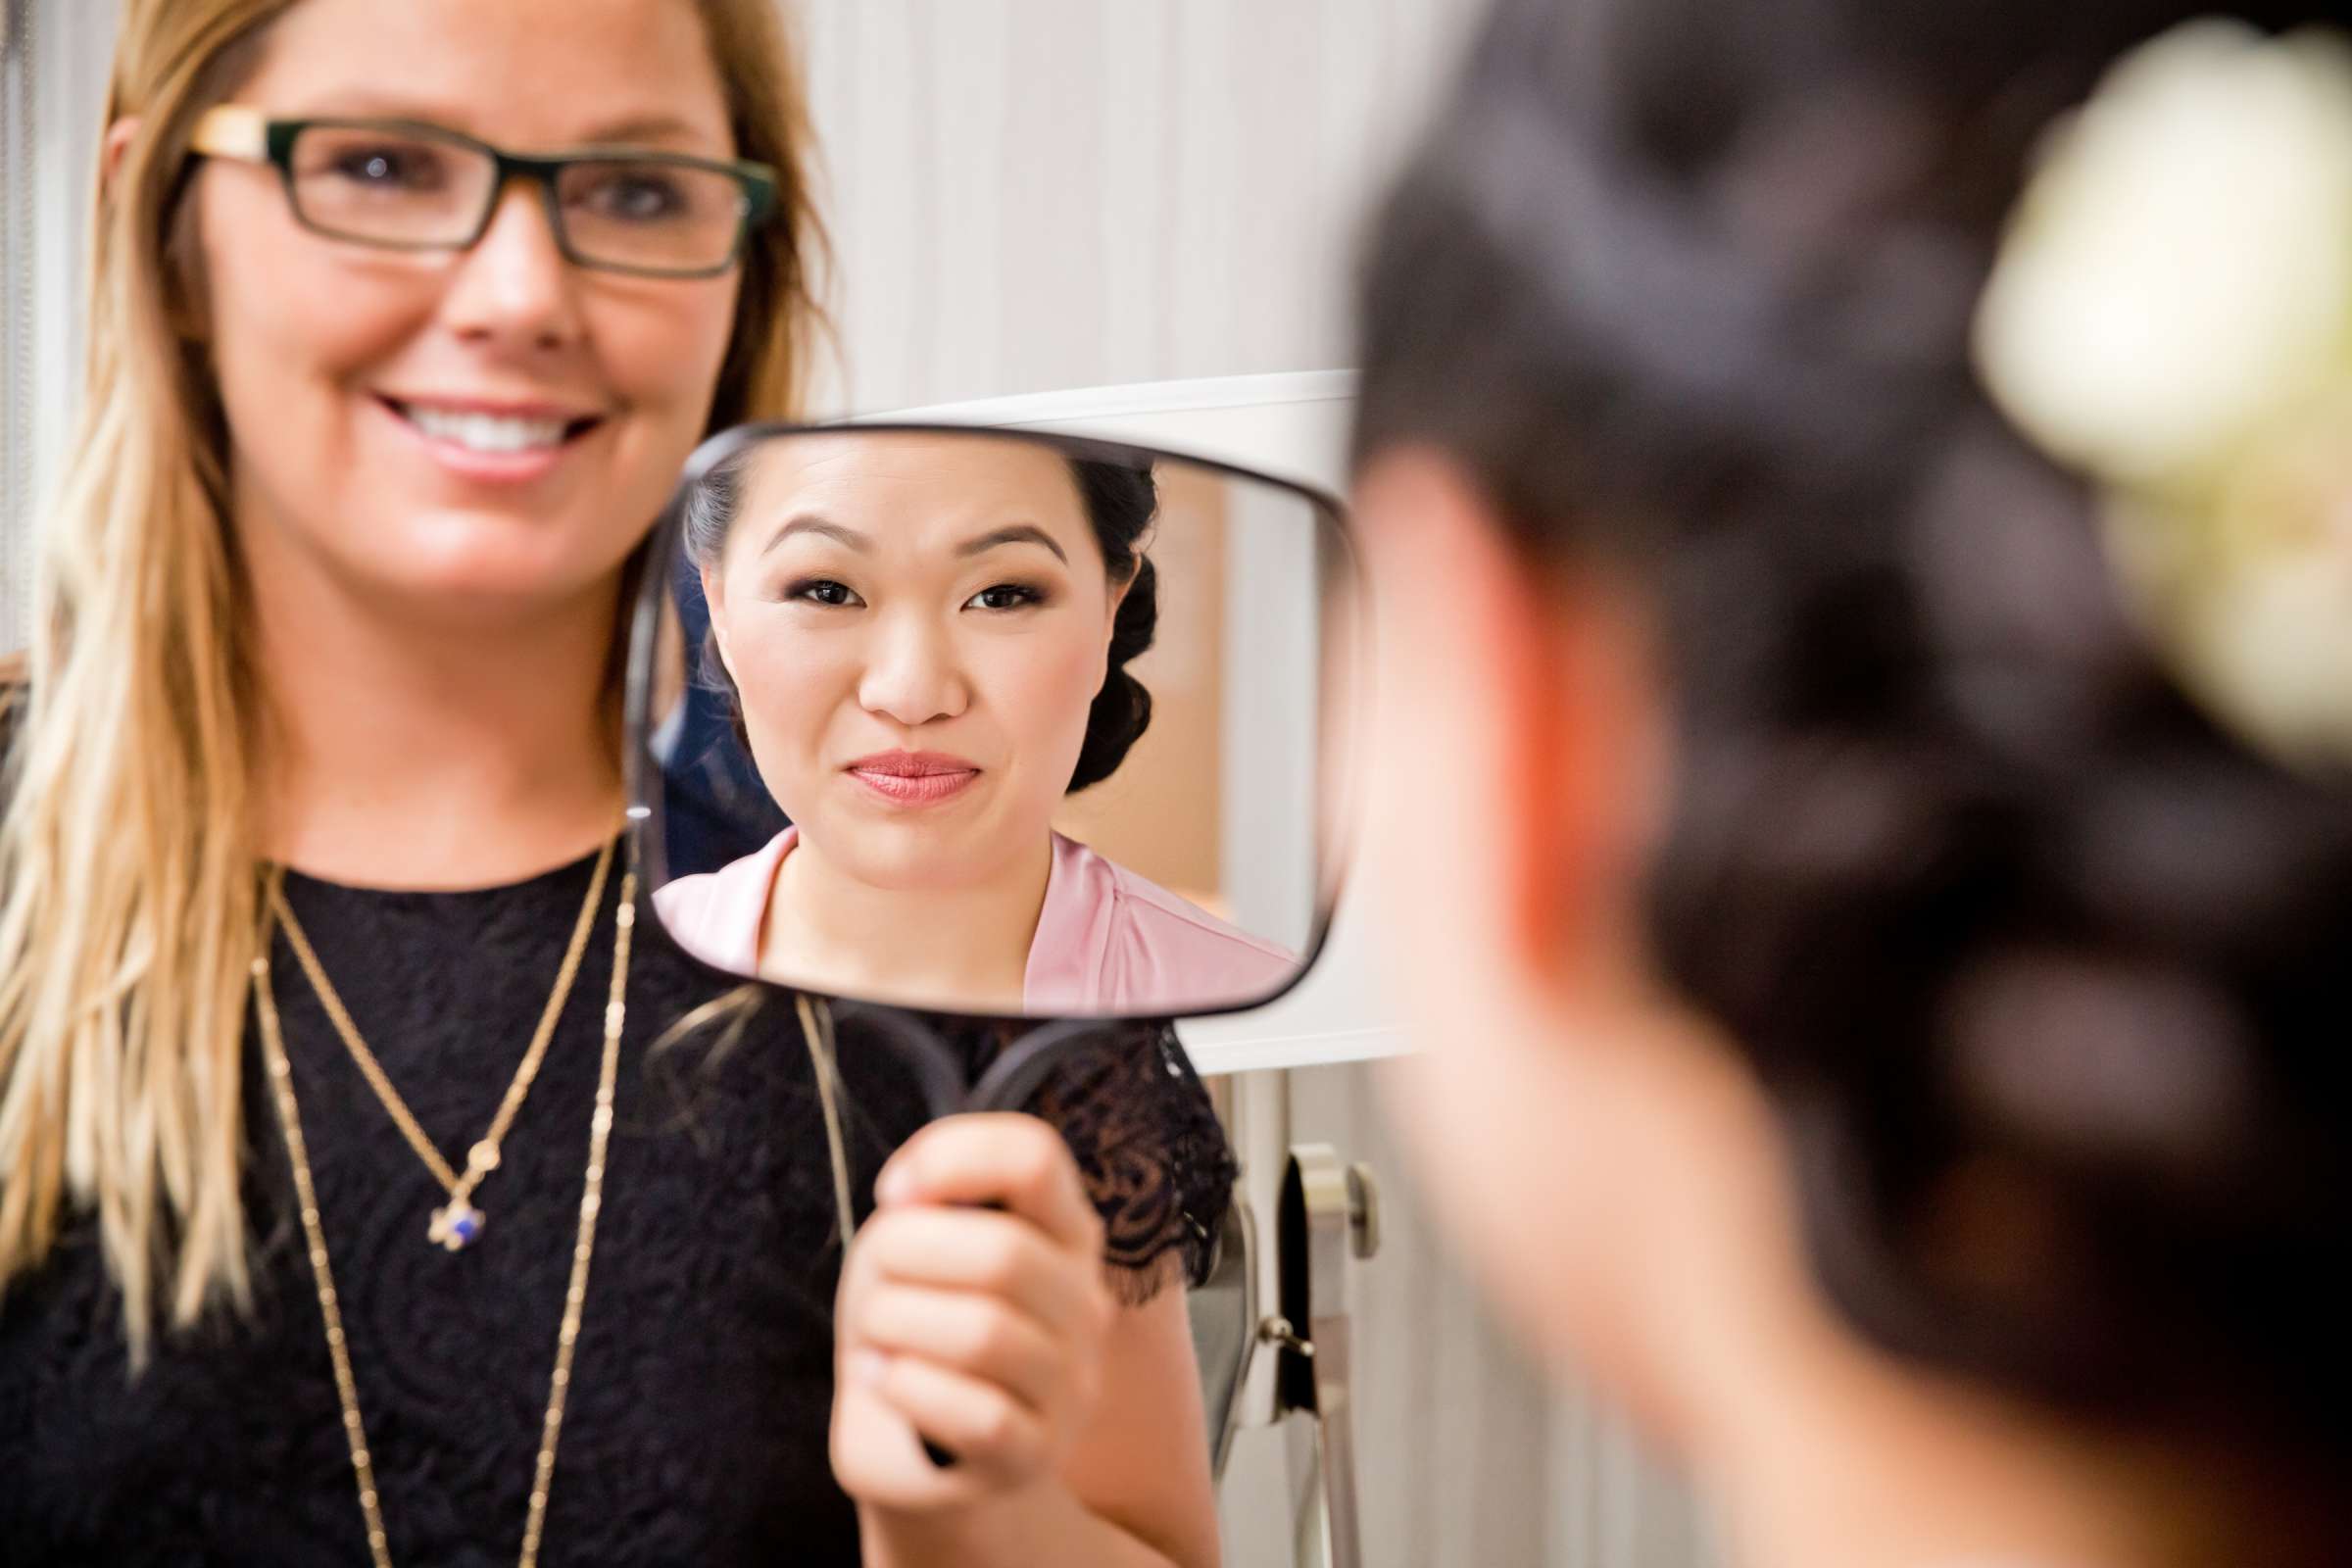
column 394, row 166
column 634, row 195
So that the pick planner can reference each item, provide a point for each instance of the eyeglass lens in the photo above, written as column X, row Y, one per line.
column 409, row 188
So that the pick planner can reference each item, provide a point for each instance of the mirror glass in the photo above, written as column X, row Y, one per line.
column 991, row 722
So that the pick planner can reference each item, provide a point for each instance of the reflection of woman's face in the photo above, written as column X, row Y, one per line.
column 917, row 625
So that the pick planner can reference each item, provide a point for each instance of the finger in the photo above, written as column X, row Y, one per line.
column 973, row 1334
column 978, row 1250
column 975, row 1420
column 1016, row 1161
column 880, row 1458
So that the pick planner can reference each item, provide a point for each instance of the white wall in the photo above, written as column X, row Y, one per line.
column 1030, row 195
column 52, row 85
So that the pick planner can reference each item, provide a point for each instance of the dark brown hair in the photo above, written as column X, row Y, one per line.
column 2045, row 972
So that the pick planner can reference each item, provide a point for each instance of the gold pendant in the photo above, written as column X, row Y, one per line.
column 455, row 1224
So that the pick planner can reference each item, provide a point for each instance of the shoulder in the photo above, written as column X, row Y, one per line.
column 1171, row 918
column 717, row 915
column 1158, row 944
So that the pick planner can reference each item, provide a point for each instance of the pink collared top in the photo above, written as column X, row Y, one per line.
column 1107, row 941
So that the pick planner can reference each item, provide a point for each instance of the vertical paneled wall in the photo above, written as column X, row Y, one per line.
column 51, row 97
column 1028, row 195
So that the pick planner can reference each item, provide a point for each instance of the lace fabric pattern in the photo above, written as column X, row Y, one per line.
column 1151, row 1149
column 697, row 1424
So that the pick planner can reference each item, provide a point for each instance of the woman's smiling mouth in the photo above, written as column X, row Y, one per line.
column 490, row 442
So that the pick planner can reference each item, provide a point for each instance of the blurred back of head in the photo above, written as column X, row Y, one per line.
column 2040, row 962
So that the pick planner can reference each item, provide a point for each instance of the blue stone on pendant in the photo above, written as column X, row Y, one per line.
column 455, row 1225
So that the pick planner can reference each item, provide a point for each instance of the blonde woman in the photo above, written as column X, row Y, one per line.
column 345, row 1215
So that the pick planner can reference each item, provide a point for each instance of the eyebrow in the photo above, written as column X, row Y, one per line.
column 642, row 128
column 638, row 130
column 1019, row 533
column 809, row 523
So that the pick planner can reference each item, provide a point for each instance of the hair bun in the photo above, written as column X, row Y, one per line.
column 1122, row 708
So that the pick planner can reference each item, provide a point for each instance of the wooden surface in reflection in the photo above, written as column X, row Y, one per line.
column 1162, row 814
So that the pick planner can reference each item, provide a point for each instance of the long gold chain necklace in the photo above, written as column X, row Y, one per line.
column 457, row 1223
column 600, row 1128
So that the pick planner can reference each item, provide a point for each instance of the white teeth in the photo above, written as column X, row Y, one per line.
column 487, row 432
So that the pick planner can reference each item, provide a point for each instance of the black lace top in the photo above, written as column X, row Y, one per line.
column 696, row 1428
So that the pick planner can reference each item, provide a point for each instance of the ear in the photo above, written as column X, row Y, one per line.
column 1110, row 625
column 1522, row 694
column 1118, row 598
column 119, row 138
column 187, row 306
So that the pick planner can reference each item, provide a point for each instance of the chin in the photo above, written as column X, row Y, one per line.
column 900, row 857
column 503, row 561
column 902, row 862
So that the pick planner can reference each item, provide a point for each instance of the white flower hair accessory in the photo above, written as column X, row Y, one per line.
column 2171, row 314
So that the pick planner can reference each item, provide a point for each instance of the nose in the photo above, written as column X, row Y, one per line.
column 514, row 288
column 913, row 673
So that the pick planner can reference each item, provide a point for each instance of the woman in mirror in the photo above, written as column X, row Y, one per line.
column 928, row 640
column 1858, row 797
column 344, row 1100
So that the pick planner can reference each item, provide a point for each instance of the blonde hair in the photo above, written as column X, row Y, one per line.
column 128, row 849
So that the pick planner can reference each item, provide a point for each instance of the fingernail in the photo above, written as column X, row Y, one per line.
column 869, row 1366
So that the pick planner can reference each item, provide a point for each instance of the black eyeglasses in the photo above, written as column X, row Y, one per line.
column 402, row 185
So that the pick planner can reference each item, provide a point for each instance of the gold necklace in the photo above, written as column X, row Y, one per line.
column 600, row 1128
column 458, row 1222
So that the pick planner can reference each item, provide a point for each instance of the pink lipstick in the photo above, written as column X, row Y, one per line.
column 914, row 778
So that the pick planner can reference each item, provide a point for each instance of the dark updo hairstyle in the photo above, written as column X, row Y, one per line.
column 1121, row 499
column 2046, row 974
